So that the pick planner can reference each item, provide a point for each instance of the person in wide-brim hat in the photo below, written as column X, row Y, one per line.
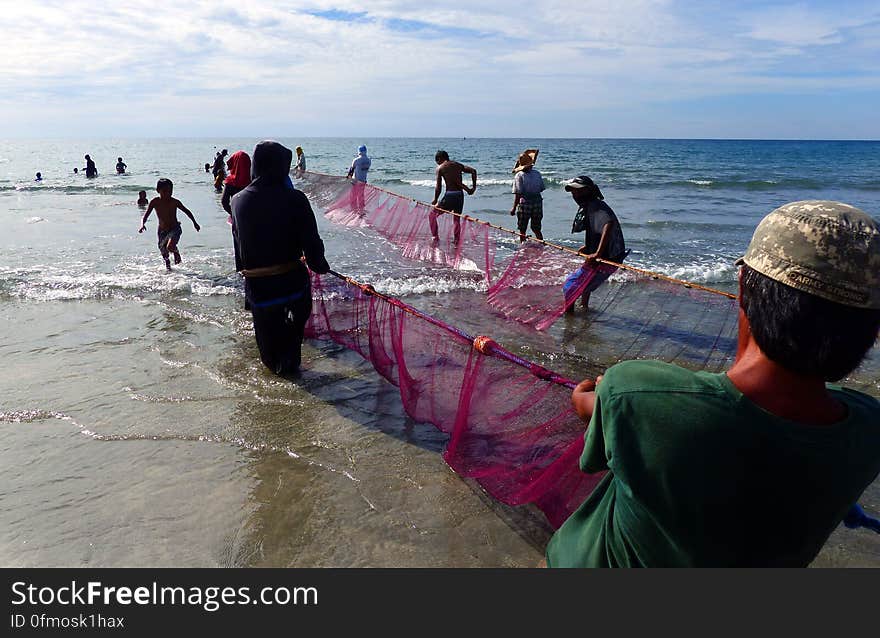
column 528, row 205
column 526, row 159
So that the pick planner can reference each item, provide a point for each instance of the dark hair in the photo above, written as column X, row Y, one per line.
column 441, row 156
column 164, row 183
column 805, row 333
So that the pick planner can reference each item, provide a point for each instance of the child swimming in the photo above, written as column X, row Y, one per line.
column 169, row 228
column 142, row 198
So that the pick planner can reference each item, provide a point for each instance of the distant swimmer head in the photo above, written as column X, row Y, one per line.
column 39, row 176
column 362, row 149
column 118, row 159
column 271, row 161
column 224, row 152
column 165, row 186
column 582, row 187
column 75, row 171
column 207, row 168
column 441, row 156
column 87, row 157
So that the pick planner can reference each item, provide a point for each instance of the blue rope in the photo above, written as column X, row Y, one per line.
column 856, row 517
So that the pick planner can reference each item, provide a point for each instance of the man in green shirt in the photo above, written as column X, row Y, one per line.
column 758, row 465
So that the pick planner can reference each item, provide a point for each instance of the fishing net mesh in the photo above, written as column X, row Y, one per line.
column 509, row 421
column 421, row 232
column 510, row 424
column 635, row 315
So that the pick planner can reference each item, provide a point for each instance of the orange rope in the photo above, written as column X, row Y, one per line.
column 649, row 273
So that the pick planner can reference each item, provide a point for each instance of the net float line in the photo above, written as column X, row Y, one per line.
column 565, row 249
column 481, row 343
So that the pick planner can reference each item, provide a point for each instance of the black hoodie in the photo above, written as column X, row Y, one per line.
column 273, row 224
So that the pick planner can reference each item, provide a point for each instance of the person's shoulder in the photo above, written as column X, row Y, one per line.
column 858, row 402
column 299, row 198
column 646, row 377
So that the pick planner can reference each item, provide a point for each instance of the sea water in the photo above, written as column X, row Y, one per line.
column 139, row 427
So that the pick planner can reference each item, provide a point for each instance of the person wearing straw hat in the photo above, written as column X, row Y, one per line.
column 758, row 465
column 528, row 205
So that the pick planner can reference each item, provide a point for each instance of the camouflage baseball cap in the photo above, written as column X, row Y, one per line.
column 828, row 249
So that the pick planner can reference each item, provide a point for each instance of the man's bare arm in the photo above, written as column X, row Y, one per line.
column 473, row 174
column 146, row 215
column 437, row 188
column 188, row 214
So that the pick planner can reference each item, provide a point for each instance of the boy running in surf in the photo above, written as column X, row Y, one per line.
column 453, row 200
column 169, row 228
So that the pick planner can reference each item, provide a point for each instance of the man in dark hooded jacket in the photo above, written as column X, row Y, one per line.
column 273, row 226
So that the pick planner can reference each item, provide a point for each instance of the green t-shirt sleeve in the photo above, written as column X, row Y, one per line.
column 596, row 454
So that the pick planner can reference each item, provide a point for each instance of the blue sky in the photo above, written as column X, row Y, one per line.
column 590, row 68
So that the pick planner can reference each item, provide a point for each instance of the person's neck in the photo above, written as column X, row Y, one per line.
column 778, row 390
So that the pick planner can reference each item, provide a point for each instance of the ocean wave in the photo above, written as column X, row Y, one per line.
column 35, row 416
column 52, row 284
column 748, row 184
column 74, row 188
column 430, row 183
column 426, row 284
column 718, row 271
column 690, row 225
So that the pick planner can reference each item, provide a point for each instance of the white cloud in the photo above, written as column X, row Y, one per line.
column 172, row 65
column 801, row 25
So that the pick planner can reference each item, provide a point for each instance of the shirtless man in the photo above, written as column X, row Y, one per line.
column 169, row 228
column 453, row 200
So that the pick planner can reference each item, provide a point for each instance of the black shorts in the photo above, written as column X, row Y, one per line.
column 452, row 202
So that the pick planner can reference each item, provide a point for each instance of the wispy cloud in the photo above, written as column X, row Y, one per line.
column 407, row 68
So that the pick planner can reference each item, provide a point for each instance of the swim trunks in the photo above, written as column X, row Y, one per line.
column 452, row 201
column 165, row 235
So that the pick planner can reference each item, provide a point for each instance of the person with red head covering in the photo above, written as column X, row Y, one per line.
column 239, row 164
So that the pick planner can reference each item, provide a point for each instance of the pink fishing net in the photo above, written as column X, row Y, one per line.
column 540, row 282
column 639, row 315
column 510, row 423
column 422, row 232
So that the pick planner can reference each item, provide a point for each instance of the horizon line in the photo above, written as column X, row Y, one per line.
column 437, row 137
